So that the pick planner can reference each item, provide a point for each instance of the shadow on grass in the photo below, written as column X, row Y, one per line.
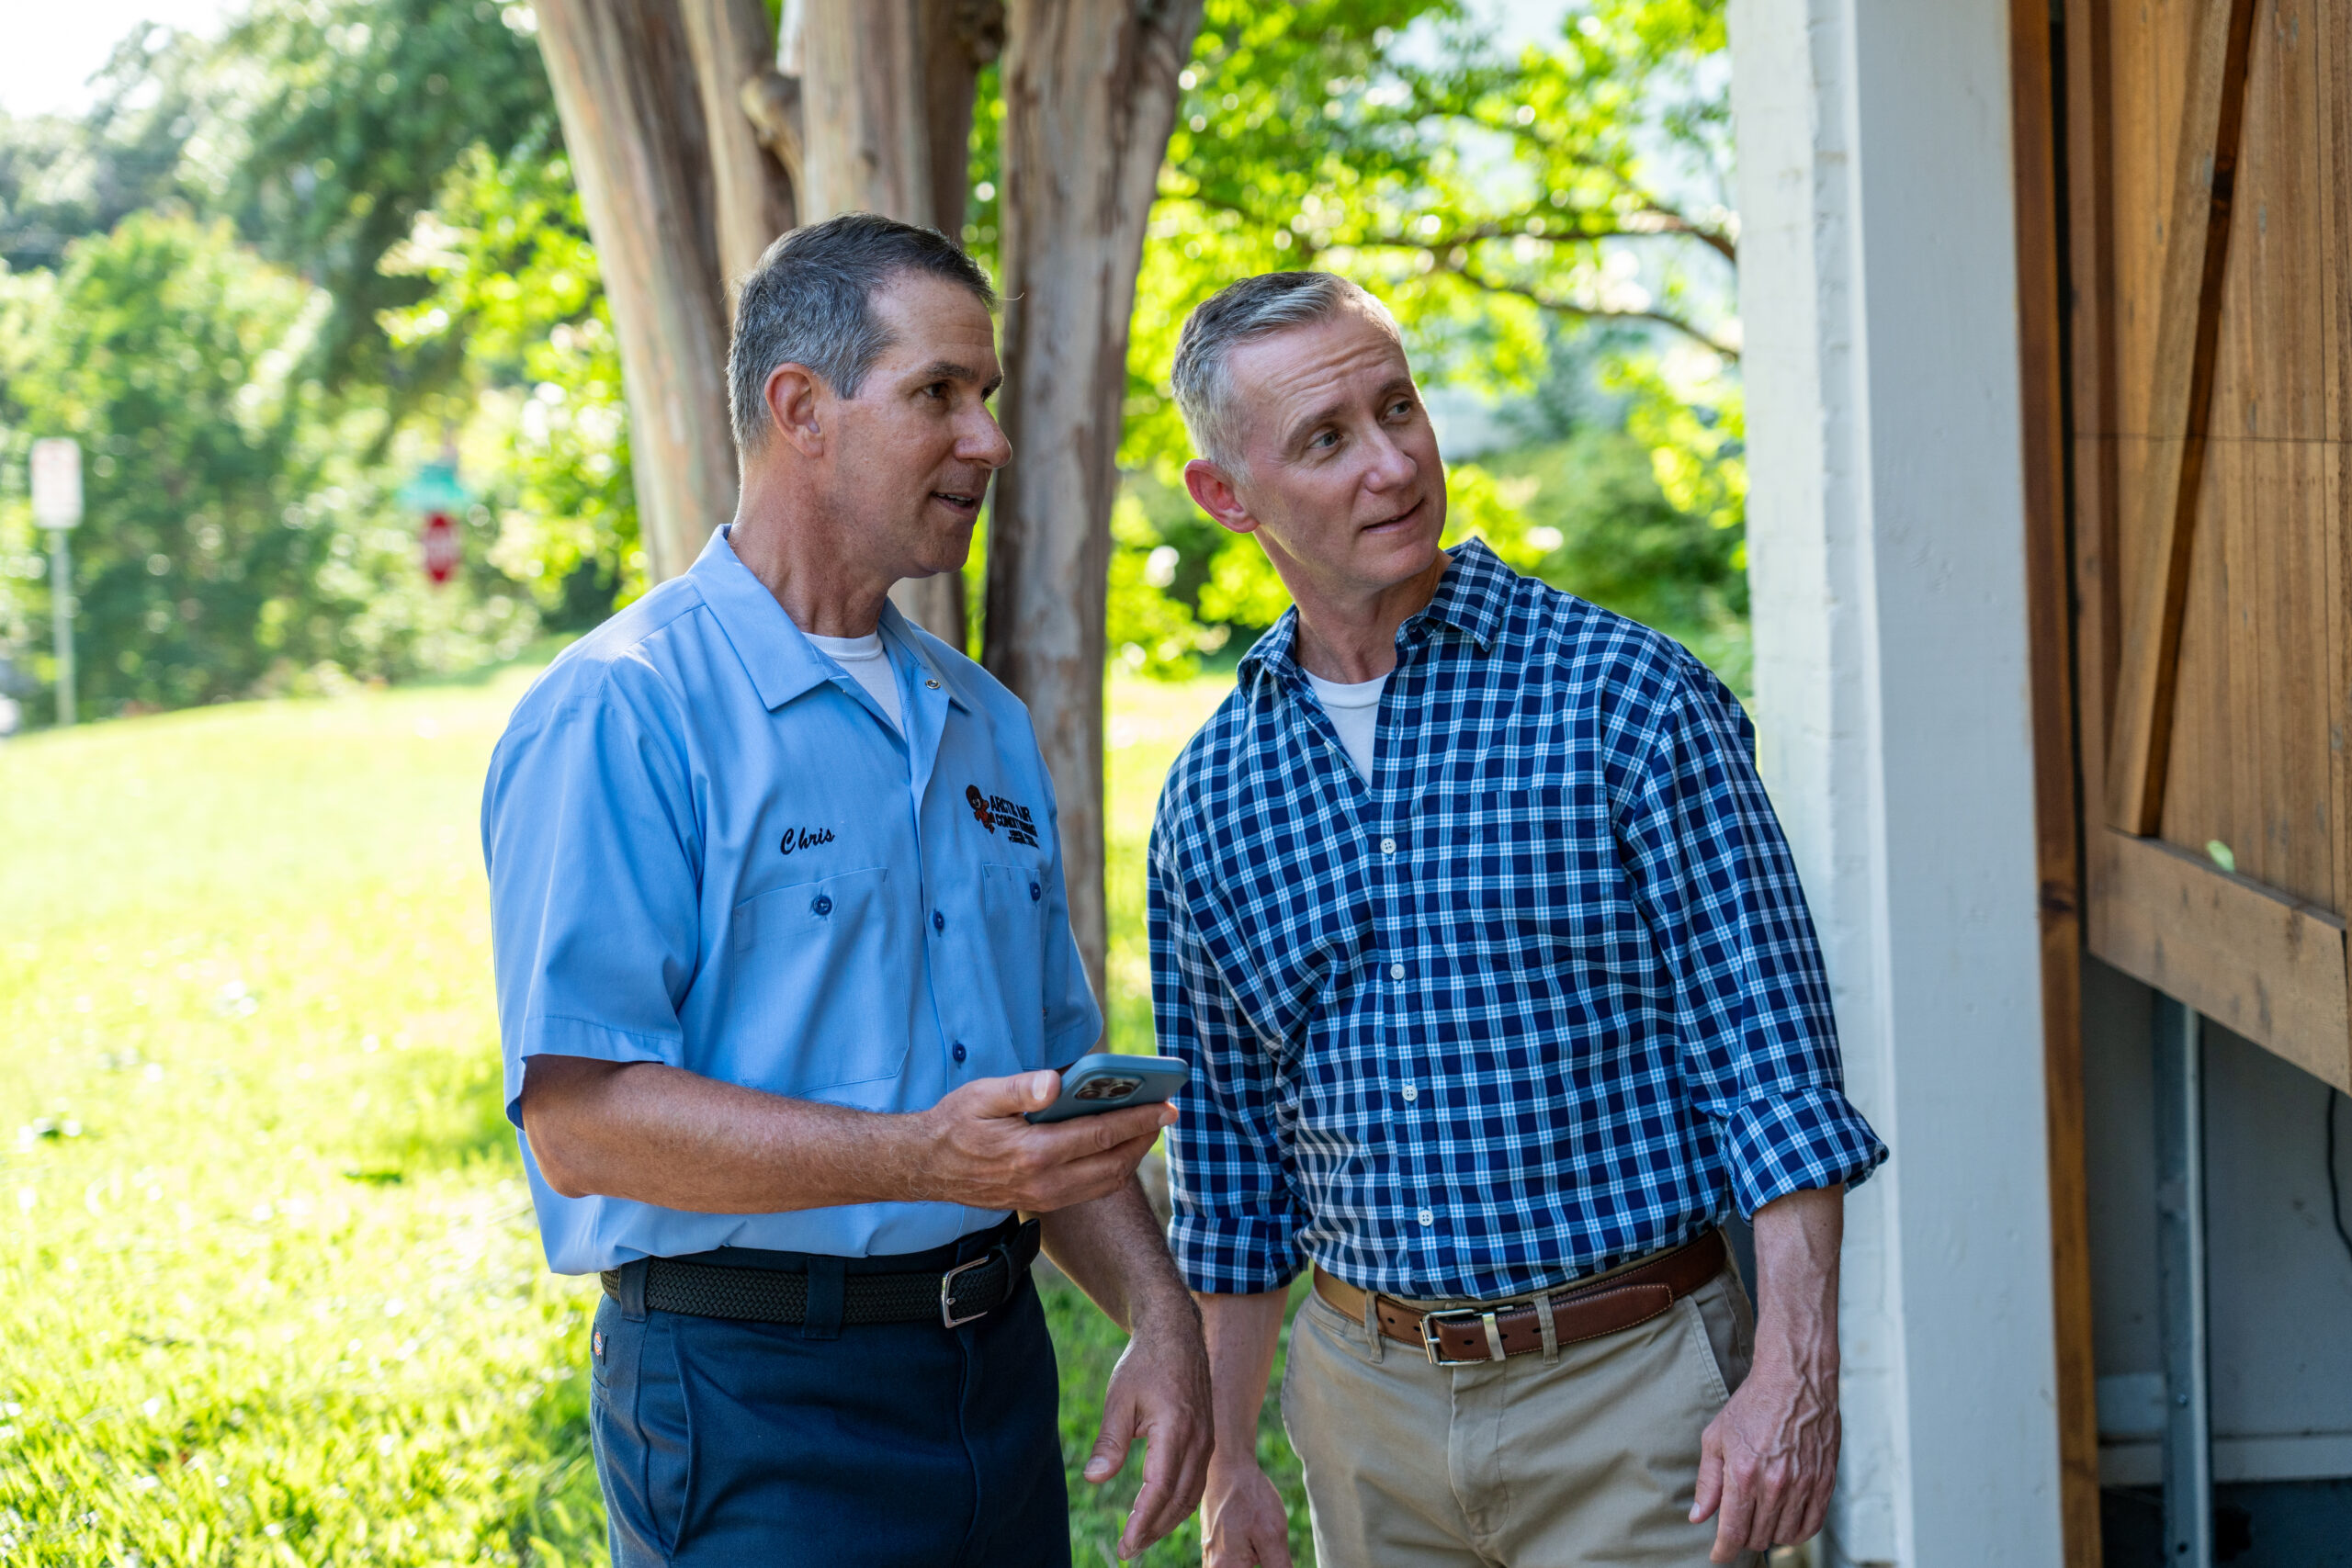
column 450, row 1115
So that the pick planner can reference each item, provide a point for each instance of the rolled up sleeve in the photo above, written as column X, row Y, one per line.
column 1720, row 892
column 589, row 835
column 1236, row 1217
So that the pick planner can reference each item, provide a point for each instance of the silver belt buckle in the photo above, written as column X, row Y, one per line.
column 1433, row 1323
column 947, row 1292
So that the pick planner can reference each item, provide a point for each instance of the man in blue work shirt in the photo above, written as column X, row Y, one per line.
column 775, row 998
column 1475, row 924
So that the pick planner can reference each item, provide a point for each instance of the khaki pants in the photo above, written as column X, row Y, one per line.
column 1592, row 1460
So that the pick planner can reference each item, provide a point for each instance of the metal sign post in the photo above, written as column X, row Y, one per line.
column 57, row 506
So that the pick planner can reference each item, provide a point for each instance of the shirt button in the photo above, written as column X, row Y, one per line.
column 1035, row 893
column 1389, row 846
column 821, row 905
column 1411, row 1093
column 1396, row 971
column 1426, row 1217
column 959, row 1052
column 938, row 921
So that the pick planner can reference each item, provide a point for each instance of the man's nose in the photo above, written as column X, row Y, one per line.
column 1391, row 467
column 982, row 441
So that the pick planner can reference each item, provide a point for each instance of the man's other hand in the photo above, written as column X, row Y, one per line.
column 1243, row 1524
column 1768, row 1460
column 976, row 1149
column 1159, row 1391
column 1769, row 1457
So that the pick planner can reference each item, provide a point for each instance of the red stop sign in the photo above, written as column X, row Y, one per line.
column 440, row 547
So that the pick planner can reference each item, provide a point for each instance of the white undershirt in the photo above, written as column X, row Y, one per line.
column 863, row 657
column 1355, row 714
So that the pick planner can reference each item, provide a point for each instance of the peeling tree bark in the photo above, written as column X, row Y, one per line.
column 886, row 90
column 732, row 48
column 634, row 129
column 1090, row 96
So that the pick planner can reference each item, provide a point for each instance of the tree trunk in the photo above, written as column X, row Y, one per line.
column 733, row 48
column 887, row 89
column 633, row 127
column 1089, row 94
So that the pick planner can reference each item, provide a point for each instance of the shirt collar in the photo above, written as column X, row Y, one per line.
column 781, row 659
column 1473, row 598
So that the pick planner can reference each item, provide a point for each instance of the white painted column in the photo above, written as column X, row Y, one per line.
column 1878, row 290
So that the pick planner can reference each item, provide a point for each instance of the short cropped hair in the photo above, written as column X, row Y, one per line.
column 1238, row 313
column 810, row 301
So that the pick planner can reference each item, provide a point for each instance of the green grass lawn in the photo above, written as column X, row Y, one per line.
column 269, row 1289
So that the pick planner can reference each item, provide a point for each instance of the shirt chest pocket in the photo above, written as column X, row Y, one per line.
column 1013, row 901
column 812, row 1009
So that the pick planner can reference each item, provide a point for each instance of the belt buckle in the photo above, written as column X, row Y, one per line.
column 947, row 1291
column 1433, row 1323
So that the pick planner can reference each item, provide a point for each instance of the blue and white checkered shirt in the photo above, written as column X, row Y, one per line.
column 1540, row 997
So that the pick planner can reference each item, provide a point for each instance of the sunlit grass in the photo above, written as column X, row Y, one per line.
column 269, row 1290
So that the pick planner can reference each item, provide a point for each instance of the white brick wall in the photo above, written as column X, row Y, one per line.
column 1878, row 292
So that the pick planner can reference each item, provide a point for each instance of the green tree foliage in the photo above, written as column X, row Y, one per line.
column 515, row 292
column 61, row 179
column 1563, row 206
column 232, row 542
column 341, row 122
column 1548, row 224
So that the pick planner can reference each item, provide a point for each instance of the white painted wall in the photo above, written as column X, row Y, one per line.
column 1878, row 295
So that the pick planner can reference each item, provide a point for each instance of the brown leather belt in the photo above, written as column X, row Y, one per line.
column 1513, row 1328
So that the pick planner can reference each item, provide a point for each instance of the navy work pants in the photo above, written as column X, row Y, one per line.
column 883, row 1444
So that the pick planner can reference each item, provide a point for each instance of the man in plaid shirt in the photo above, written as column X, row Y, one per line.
column 1473, row 920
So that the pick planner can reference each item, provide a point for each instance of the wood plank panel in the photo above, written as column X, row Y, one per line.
column 2148, row 55
column 2253, row 761
column 2187, row 329
column 2090, row 337
column 2332, row 56
column 2268, row 968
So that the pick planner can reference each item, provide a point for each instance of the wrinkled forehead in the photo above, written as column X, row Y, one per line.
column 1348, row 359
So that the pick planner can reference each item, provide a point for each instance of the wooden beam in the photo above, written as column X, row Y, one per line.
column 2256, row 961
column 2034, row 110
column 2188, row 325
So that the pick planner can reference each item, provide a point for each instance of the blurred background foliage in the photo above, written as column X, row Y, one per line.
column 268, row 274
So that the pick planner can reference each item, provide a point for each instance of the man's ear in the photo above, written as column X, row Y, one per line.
column 1214, row 494
column 792, row 395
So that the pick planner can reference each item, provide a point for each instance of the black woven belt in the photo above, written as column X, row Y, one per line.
column 967, row 1290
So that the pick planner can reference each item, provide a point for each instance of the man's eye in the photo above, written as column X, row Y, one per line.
column 1324, row 439
column 1401, row 406
column 937, row 391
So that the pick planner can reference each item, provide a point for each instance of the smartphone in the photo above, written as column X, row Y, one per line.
column 1109, row 1081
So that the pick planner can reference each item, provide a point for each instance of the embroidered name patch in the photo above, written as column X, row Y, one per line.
column 807, row 837
column 994, row 812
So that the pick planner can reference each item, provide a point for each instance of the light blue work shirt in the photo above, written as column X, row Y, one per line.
column 709, row 847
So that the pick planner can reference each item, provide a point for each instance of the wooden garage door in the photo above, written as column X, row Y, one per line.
column 2210, row 249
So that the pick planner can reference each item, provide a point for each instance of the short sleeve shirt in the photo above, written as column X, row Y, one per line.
column 708, row 848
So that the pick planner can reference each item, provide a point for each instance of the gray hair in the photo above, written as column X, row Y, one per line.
column 810, row 301
column 1238, row 313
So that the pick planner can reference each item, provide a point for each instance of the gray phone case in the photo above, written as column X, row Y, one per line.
column 1109, row 1081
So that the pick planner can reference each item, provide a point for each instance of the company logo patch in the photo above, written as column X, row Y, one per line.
column 993, row 811
column 806, row 839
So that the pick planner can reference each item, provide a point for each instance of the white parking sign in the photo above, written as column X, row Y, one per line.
column 57, row 483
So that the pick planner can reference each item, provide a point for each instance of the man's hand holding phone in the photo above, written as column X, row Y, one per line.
column 977, row 1147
